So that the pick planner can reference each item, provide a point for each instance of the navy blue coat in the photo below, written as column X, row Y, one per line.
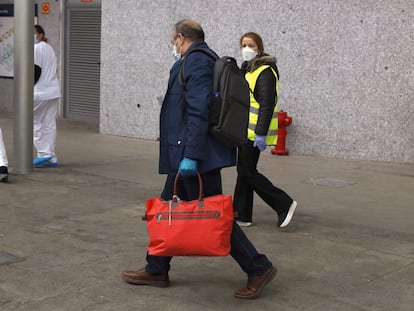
column 184, row 128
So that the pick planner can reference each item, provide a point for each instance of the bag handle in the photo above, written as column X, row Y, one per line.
column 200, row 189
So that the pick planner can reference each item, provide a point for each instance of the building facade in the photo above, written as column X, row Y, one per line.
column 346, row 67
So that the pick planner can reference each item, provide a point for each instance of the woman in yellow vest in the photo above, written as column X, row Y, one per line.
column 262, row 75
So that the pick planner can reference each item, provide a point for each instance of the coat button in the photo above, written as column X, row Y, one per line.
column 179, row 142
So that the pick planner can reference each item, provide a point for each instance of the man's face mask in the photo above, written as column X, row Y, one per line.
column 248, row 54
column 35, row 39
column 174, row 53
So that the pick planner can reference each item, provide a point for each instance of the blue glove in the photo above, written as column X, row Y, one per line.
column 260, row 142
column 187, row 167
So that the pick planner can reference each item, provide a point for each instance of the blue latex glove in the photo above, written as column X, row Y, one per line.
column 187, row 167
column 260, row 142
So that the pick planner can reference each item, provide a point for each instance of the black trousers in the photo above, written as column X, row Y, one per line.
column 249, row 180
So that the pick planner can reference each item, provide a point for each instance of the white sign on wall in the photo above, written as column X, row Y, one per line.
column 7, row 39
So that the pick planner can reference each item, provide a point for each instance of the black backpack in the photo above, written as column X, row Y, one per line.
column 229, row 111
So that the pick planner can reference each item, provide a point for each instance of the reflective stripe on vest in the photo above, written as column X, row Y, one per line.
column 271, row 137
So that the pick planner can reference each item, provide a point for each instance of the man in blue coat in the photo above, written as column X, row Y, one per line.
column 187, row 148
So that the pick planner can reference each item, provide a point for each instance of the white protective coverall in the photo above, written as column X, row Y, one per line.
column 45, row 102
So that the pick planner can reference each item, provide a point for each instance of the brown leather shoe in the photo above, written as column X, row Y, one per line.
column 142, row 277
column 255, row 284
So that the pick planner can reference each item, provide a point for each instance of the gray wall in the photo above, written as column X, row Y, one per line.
column 51, row 24
column 346, row 68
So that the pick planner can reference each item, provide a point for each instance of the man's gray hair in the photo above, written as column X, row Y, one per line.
column 189, row 29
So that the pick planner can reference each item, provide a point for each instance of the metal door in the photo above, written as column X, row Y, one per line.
column 82, row 63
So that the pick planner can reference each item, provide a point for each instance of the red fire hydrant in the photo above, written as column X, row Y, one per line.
column 283, row 121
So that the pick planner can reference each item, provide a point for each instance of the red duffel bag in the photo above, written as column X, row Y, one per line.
column 200, row 227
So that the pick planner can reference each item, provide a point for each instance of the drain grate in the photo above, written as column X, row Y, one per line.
column 6, row 258
column 329, row 182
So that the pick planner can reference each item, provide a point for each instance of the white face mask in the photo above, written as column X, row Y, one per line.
column 248, row 54
column 175, row 54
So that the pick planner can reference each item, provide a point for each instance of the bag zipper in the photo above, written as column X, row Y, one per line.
column 204, row 214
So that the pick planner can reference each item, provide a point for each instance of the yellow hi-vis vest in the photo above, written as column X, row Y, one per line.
column 271, row 137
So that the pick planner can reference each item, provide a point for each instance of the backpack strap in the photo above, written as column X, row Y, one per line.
column 209, row 52
column 181, row 79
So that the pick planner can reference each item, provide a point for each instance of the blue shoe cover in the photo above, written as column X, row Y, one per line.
column 37, row 161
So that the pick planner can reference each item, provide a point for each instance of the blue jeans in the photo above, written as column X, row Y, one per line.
column 242, row 250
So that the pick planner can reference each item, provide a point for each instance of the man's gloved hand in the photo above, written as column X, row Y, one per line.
column 187, row 167
column 260, row 142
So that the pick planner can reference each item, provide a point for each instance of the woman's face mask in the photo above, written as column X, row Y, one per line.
column 35, row 39
column 248, row 54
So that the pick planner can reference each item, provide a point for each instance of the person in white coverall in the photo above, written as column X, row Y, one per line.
column 3, row 160
column 45, row 101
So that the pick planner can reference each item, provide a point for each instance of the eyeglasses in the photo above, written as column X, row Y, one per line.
column 171, row 45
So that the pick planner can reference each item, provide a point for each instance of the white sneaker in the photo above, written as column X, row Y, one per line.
column 244, row 223
column 286, row 220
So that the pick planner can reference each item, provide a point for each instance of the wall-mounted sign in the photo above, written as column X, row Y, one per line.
column 7, row 39
column 45, row 8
